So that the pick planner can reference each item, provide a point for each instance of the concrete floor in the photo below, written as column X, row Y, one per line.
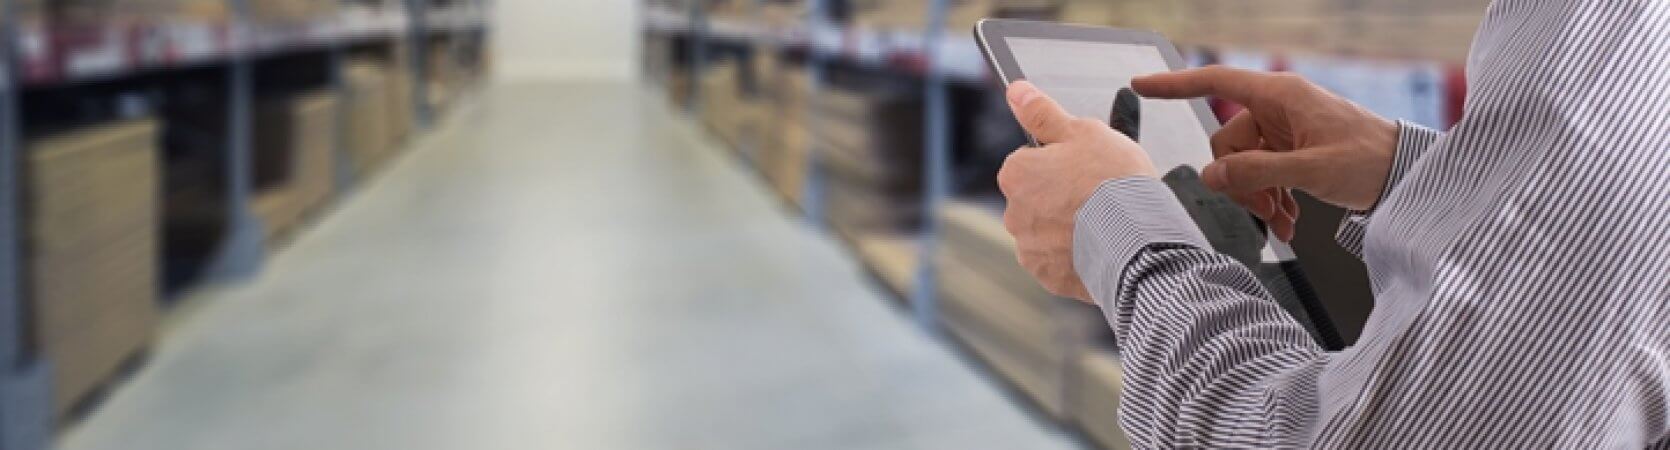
column 562, row 267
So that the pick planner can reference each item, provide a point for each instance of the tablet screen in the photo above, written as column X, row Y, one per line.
column 1088, row 71
column 1085, row 77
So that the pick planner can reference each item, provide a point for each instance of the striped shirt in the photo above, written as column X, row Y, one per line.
column 1520, row 264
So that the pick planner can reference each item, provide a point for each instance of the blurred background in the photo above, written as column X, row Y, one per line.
column 578, row 224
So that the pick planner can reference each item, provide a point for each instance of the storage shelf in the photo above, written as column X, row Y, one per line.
column 456, row 19
column 958, row 56
column 57, row 57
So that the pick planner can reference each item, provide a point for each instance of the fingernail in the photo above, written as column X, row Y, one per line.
column 1022, row 93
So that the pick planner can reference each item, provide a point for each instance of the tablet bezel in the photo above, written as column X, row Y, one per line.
column 992, row 35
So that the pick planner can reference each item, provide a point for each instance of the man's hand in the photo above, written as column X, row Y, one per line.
column 1294, row 135
column 1046, row 186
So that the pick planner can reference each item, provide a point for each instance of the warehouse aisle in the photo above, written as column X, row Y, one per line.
column 568, row 268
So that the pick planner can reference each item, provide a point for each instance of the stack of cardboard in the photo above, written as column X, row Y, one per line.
column 93, row 226
column 1424, row 29
column 788, row 168
column 402, row 94
column 83, row 11
column 730, row 9
column 893, row 258
column 286, row 11
column 988, row 301
column 782, row 90
column 1169, row 17
column 297, row 134
column 369, row 130
column 727, row 109
column 1097, row 413
column 912, row 15
column 783, row 12
column 870, row 143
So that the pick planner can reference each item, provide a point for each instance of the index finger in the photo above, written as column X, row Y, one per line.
column 1237, row 85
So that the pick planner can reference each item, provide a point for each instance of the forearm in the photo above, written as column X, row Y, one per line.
column 1199, row 335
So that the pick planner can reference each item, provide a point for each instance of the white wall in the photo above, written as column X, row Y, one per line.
column 566, row 39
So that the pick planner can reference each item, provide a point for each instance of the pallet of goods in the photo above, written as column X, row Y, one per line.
column 1100, row 382
column 870, row 143
column 296, row 137
column 92, row 223
column 1029, row 336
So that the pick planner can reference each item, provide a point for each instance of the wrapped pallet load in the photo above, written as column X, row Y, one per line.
column 93, row 227
column 369, row 128
column 291, row 11
column 728, row 109
column 296, row 135
column 869, row 141
column 1032, row 338
column 1100, row 381
column 789, row 168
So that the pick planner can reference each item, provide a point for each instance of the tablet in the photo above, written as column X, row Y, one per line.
column 1088, row 70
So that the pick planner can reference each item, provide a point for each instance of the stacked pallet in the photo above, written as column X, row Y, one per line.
column 402, row 94
column 1425, row 29
column 92, row 220
column 782, row 154
column 911, row 15
column 370, row 129
column 870, row 143
column 728, row 109
column 1100, row 381
column 789, row 169
column 296, row 137
column 1030, row 337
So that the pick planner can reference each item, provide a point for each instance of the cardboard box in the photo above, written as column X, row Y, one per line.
column 892, row 257
column 1097, row 411
column 302, row 128
column 92, row 220
column 286, row 11
column 871, row 138
column 1031, row 337
column 368, row 121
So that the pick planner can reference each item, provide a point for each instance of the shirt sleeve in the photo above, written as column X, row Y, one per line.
column 1198, row 334
column 1412, row 142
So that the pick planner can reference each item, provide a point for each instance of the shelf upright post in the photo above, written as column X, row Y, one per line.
column 342, row 160
column 698, row 54
column 417, row 14
column 937, row 167
column 26, row 420
column 816, row 184
column 244, row 247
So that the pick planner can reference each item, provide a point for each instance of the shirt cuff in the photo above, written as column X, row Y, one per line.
column 1124, row 217
column 1412, row 142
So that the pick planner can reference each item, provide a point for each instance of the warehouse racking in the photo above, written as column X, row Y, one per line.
column 243, row 57
column 701, row 51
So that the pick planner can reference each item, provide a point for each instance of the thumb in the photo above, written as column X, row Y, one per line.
column 1040, row 115
column 1253, row 170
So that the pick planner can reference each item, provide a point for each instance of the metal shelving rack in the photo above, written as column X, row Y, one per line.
column 25, row 386
column 937, row 167
column 946, row 60
column 26, row 421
